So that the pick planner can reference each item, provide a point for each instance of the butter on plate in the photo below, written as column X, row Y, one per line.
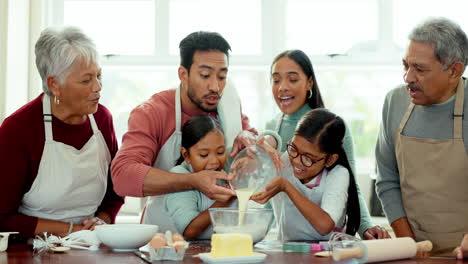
column 231, row 245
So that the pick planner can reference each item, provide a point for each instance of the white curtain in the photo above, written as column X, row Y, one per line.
column 3, row 50
column 21, row 22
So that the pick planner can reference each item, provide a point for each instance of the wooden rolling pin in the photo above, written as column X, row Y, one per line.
column 382, row 250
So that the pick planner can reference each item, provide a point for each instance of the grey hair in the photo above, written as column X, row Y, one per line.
column 448, row 39
column 58, row 49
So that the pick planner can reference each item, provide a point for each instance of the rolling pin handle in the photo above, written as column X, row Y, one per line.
column 424, row 246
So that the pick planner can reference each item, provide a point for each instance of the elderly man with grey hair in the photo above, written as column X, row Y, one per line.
column 56, row 150
column 422, row 146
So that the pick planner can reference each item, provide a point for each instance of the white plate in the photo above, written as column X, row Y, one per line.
column 255, row 258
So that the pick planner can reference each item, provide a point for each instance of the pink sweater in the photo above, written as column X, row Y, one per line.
column 149, row 126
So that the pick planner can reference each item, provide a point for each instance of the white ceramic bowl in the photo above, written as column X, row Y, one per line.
column 125, row 237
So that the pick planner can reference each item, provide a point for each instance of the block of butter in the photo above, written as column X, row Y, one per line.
column 231, row 245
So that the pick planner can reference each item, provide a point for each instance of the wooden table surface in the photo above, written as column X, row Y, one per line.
column 22, row 253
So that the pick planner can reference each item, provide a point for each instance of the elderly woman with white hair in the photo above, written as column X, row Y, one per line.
column 56, row 150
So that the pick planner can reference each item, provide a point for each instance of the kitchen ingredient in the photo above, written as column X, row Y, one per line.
column 167, row 246
column 243, row 196
column 256, row 231
column 168, row 236
column 158, row 241
column 177, row 237
column 179, row 244
column 231, row 245
column 168, row 240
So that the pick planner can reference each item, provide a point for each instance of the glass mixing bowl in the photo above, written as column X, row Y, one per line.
column 257, row 221
column 251, row 169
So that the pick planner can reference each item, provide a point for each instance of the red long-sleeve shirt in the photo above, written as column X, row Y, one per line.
column 149, row 127
column 22, row 138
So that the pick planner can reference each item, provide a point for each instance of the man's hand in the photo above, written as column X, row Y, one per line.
column 244, row 139
column 376, row 232
column 205, row 181
column 274, row 155
column 277, row 185
column 461, row 252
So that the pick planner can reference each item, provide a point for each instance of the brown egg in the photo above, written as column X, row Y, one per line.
column 177, row 237
column 159, row 240
column 179, row 244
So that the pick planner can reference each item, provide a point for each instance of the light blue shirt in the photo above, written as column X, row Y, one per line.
column 184, row 206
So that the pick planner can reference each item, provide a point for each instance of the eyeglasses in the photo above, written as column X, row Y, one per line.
column 306, row 160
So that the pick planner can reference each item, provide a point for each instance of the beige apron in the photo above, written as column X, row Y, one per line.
column 434, row 181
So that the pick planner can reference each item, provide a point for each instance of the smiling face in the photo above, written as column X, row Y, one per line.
column 428, row 82
column 289, row 85
column 208, row 154
column 204, row 84
column 312, row 151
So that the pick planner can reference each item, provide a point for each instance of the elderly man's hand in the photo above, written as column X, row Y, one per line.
column 461, row 252
column 376, row 232
column 244, row 139
column 205, row 181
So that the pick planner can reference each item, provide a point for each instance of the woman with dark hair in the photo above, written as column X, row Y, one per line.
column 203, row 148
column 296, row 91
column 317, row 189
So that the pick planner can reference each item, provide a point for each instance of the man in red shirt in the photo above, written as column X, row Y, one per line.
column 152, row 144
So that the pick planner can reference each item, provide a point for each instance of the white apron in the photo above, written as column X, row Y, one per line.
column 301, row 229
column 230, row 118
column 70, row 183
column 434, row 180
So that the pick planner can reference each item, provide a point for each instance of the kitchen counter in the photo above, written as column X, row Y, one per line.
column 22, row 253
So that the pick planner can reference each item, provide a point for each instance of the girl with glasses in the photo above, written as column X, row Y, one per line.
column 316, row 192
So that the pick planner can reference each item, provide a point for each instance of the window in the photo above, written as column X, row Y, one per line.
column 218, row 15
column 406, row 17
column 118, row 27
column 319, row 27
